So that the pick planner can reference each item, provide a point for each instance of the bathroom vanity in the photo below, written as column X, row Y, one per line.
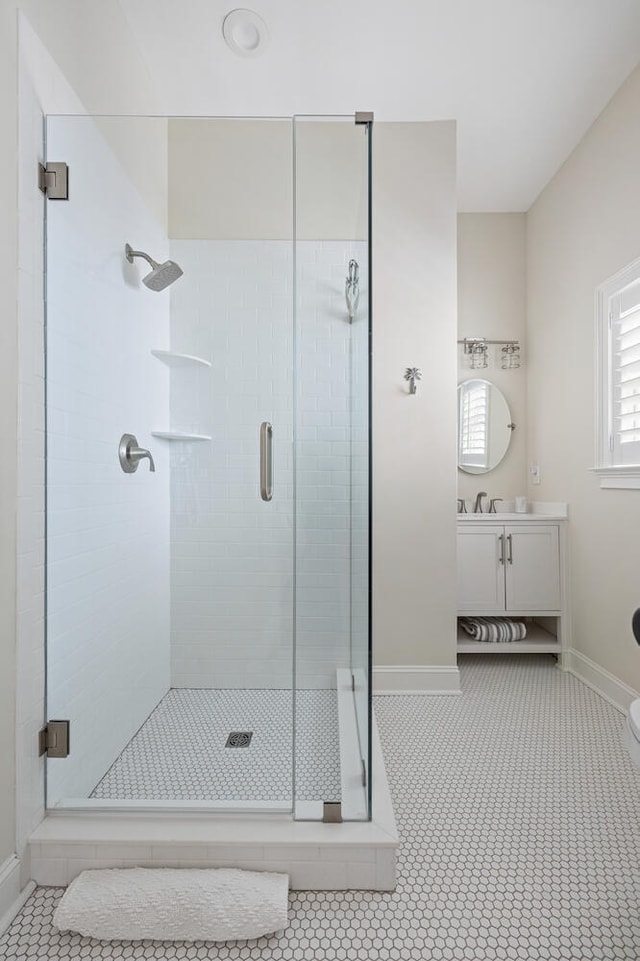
column 512, row 565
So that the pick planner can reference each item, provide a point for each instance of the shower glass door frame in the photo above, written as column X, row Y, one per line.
column 145, row 571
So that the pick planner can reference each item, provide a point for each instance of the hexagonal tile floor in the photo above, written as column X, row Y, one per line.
column 179, row 753
column 518, row 811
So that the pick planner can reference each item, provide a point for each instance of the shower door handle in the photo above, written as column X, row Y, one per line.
column 266, row 461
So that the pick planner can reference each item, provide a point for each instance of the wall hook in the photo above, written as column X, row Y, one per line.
column 412, row 374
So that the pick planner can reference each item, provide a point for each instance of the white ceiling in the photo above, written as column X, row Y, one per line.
column 523, row 78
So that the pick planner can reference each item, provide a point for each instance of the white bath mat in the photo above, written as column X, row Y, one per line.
column 174, row 904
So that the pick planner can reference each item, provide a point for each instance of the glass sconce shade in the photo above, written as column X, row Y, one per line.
column 479, row 356
column 510, row 357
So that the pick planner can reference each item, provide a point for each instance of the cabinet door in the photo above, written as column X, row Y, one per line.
column 480, row 571
column 533, row 568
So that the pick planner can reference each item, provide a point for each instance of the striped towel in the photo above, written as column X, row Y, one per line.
column 494, row 629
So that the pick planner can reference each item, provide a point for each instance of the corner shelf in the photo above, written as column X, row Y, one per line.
column 172, row 359
column 178, row 435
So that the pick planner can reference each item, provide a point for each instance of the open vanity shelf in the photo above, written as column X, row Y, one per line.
column 537, row 641
column 513, row 566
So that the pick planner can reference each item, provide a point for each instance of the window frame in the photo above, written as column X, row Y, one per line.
column 610, row 473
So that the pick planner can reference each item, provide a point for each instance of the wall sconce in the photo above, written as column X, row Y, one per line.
column 476, row 348
column 510, row 356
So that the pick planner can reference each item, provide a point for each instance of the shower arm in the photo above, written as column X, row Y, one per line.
column 139, row 253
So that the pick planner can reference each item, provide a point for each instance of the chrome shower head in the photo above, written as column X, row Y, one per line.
column 161, row 276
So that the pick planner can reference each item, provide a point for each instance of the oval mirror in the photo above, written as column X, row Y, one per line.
column 484, row 426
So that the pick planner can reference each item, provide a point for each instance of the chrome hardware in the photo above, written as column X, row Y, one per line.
column 53, row 180
column 477, row 349
column 53, row 739
column 130, row 454
column 352, row 289
column 266, row 461
column 332, row 812
column 412, row 374
column 510, row 543
column 511, row 426
column 477, row 507
column 462, row 506
column 364, row 116
column 492, row 504
column 501, row 556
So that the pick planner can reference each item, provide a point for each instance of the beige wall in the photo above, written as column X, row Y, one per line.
column 492, row 304
column 233, row 180
column 8, row 418
column 414, row 474
column 583, row 228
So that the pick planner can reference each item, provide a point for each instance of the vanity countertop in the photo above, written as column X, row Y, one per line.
column 498, row 518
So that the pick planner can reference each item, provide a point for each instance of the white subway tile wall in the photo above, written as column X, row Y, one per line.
column 331, row 387
column 232, row 553
column 108, row 532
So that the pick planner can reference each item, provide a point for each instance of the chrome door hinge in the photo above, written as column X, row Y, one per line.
column 53, row 180
column 53, row 739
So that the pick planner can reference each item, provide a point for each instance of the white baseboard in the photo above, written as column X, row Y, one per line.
column 607, row 685
column 415, row 679
column 11, row 898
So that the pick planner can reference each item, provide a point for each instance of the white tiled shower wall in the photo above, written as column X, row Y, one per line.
column 331, row 357
column 232, row 553
column 108, row 545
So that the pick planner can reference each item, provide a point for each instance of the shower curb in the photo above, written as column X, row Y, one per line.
column 317, row 857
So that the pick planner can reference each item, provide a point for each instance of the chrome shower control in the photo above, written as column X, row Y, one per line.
column 130, row 454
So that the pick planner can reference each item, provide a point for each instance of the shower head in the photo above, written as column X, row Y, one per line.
column 161, row 276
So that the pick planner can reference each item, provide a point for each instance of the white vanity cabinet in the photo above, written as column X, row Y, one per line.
column 513, row 569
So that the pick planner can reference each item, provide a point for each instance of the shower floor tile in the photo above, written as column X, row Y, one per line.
column 518, row 811
column 179, row 753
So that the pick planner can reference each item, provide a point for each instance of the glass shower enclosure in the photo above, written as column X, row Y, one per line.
column 208, row 464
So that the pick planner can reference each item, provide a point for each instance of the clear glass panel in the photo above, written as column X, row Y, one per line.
column 170, row 593
column 332, row 330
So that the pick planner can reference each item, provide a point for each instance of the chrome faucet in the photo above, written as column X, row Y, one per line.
column 477, row 507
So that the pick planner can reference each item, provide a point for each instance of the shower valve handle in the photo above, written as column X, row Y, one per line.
column 130, row 454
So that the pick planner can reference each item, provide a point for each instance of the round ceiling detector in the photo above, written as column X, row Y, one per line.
column 245, row 32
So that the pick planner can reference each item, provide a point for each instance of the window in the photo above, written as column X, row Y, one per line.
column 618, row 379
column 473, row 428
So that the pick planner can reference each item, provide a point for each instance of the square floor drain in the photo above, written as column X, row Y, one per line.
column 239, row 739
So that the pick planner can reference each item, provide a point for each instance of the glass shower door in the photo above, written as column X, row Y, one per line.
column 170, row 587
column 332, row 331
